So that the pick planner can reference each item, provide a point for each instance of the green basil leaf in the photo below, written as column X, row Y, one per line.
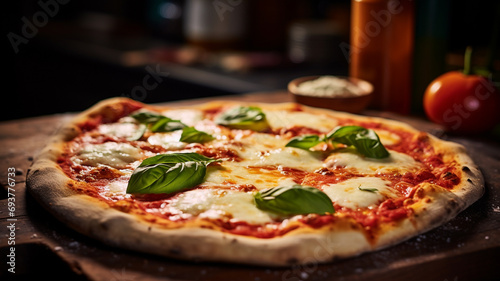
column 166, row 124
column 304, row 142
column 147, row 117
column 168, row 173
column 158, row 122
column 294, row 200
column 366, row 141
column 243, row 117
column 343, row 132
column 368, row 189
column 191, row 135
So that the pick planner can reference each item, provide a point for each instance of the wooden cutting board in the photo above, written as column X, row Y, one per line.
column 466, row 248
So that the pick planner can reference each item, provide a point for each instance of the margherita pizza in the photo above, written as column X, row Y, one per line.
column 266, row 184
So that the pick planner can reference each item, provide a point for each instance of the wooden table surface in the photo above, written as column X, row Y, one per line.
column 466, row 248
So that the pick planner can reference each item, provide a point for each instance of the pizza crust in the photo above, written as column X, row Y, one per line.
column 49, row 185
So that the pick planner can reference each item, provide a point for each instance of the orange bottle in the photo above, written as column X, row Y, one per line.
column 381, row 50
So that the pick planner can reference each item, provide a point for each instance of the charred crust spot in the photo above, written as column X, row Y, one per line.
column 451, row 207
column 469, row 180
column 422, row 137
column 453, row 203
column 451, row 177
column 234, row 241
column 292, row 261
column 465, row 169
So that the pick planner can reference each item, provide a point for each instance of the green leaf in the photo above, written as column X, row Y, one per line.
column 366, row 141
column 166, row 124
column 191, row 135
column 157, row 122
column 294, row 200
column 368, row 189
column 243, row 117
column 168, row 173
column 147, row 117
column 304, row 142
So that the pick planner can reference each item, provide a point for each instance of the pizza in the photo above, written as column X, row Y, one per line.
column 262, row 184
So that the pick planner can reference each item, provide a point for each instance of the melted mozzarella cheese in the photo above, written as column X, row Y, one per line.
column 370, row 166
column 121, row 130
column 233, row 173
column 287, row 119
column 116, row 155
column 219, row 204
column 117, row 188
column 211, row 128
column 348, row 193
column 169, row 141
column 288, row 157
column 261, row 150
column 187, row 116
column 386, row 137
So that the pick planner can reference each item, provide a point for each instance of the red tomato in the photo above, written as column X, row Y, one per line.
column 463, row 103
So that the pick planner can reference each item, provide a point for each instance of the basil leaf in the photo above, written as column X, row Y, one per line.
column 166, row 124
column 158, row 122
column 191, row 135
column 294, row 200
column 168, row 173
column 304, row 142
column 147, row 117
column 368, row 189
column 366, row 141
column 243, row 117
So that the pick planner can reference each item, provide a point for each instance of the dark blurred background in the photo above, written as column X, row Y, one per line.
column 65, row 55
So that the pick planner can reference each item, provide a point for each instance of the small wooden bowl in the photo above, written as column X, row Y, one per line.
column 354, row 104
